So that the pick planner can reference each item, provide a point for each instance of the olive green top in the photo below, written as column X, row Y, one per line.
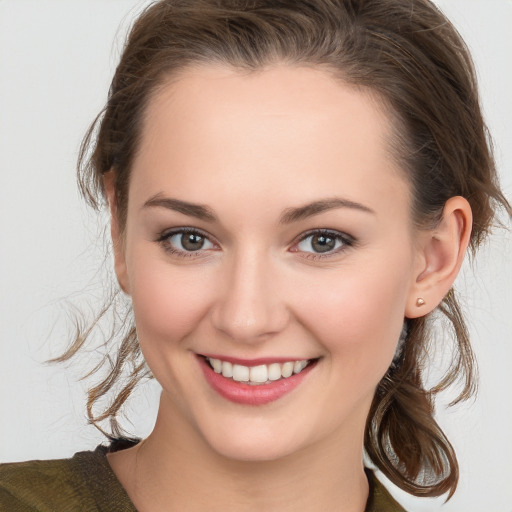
column 86, row 483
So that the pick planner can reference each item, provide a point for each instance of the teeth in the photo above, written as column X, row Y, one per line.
column 227, row 368
column 299, row 366
column 257, row 374
column 217, row 365
column 240, row 373
column 274, row 371
column 287, row 369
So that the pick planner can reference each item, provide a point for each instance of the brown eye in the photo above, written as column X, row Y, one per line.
column 192, row 241
column 185, row 241
column 324, row 242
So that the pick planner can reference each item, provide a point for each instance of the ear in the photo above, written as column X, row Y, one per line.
column 440, row 256
column 109, row 179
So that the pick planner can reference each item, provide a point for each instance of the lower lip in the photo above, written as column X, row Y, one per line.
column 242, row 393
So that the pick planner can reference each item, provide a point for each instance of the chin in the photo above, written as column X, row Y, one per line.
column 252, row 450
column 253, row 444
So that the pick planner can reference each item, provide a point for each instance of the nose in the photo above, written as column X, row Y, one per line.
column 250, row 306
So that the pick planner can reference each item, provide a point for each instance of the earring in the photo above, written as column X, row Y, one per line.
column 420, row 302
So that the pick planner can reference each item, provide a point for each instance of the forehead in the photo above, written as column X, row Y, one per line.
column 293, row 129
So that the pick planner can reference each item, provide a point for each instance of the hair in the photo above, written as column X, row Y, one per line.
column 409, row 55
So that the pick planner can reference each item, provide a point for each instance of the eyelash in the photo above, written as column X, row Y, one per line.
column 346, row 240
column 164, row 240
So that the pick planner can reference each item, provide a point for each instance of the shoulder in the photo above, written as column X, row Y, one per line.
column 379, row 499
column 37, row 485
column 85, row 482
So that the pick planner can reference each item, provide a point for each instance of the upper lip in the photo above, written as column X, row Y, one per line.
column 255, row 362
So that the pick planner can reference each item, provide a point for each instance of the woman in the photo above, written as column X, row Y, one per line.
column 292, row 190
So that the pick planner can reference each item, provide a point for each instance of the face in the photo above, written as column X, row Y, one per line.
column 267, row 225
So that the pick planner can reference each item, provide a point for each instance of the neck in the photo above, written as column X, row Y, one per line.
column 174, row 469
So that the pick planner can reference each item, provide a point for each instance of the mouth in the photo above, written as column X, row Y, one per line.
column 258, row 375
column 257, row 382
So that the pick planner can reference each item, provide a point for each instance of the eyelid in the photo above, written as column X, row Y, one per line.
column 346, row 239
column 166, row 233
column 164, row 236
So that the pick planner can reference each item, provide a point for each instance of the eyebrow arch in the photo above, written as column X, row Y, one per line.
column 302, row 212
column 288, row 216
column 191, row 209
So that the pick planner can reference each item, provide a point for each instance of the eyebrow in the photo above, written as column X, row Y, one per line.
column 302, row 212
column 288, row 216
column 198, row 211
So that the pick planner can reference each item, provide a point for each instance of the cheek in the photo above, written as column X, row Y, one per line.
column 357, row 315
column 168, row 301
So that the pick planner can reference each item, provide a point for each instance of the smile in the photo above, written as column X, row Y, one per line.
column 257, row 384
column 257, row 375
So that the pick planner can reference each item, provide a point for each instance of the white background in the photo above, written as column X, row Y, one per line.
column 56, row 61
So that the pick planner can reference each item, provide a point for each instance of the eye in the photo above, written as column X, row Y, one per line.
column 185, row 241
column 323, row 242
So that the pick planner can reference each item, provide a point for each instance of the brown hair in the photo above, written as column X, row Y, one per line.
column 412, row 57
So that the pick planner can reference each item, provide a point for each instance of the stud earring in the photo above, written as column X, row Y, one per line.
column 420, row 302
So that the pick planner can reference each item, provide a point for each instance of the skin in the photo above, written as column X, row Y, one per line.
column 249, row 147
